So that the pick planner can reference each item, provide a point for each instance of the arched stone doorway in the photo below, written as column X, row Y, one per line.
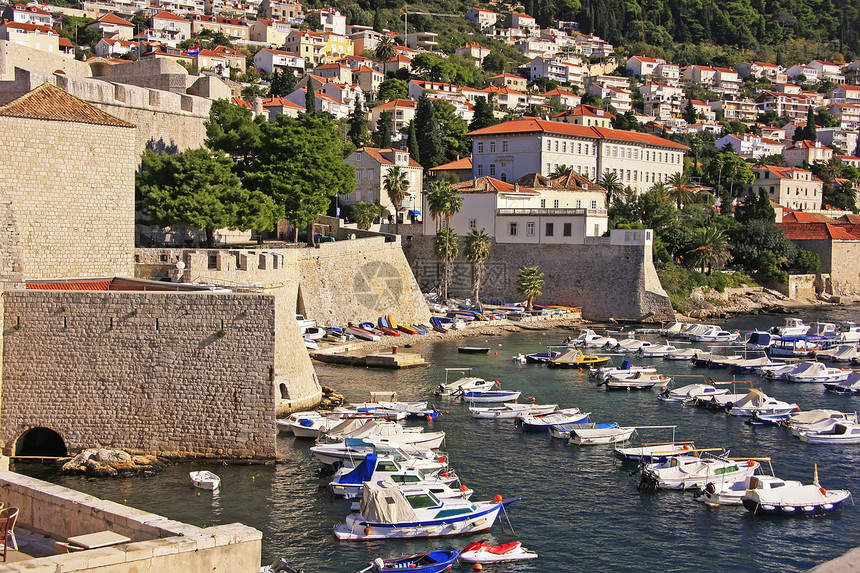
column 40, row 442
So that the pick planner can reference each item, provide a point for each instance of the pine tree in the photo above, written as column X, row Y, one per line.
column 412, row 142
column 690, row 112
column 428, row 133
column 483, row 115
column 810, row 132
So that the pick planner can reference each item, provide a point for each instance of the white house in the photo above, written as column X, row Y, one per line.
column 789, row 186
column 485, row 19
column 643, row 66
column 113, row 27
column 750, row 146
column 662, row 100
column 268, row 60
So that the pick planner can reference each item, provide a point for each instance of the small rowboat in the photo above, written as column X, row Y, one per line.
column 205, row 480
column 473, row 350
column 482, row 552
column 430, row 562
column 407, row 329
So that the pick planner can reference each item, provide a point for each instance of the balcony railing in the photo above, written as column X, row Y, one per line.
column 561, row 212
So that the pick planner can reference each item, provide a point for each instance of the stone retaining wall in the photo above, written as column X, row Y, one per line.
column 605, row 280
column 157, row 543
column 177, row 374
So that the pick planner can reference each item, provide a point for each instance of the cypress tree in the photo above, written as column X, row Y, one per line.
column 412, row 142
column 310, row 99
column 383, row 130
column 357, row 125
column 810, row 132
column 483, row 115
column 428, row 133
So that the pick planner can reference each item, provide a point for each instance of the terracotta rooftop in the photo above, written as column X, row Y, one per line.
column 571, row 181
column 51, row 103
column 491, row 185
column 820, row 231
column 114, row 19
column 385, row 156
column 464, row 163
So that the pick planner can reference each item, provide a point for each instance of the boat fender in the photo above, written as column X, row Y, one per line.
column 710, row 488
column 367, row 531
column 463, row 488
column 379, row 564
column 442, row 459
column 686, row 446
column 498, row 498
column 750, row 463
column 822, row 490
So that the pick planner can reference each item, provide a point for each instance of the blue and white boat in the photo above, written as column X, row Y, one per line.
column 388, row 511
column 850, row 386
column 348, row 482
column 491, row 395
column 429, row 562
column 654, row 453
column 759, row 340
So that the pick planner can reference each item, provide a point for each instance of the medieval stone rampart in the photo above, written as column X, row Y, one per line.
column 606, row 280
column 14, row 55
column 170, row 373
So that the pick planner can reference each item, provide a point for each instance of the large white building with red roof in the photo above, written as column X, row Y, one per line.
column 113, row 27
column 485, row 19
column 27, row 14
column 509, row 150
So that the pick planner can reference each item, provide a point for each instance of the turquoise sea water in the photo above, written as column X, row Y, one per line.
column 580, row 509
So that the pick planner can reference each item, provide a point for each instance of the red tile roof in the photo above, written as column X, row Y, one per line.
column 30, row 27
column 165, row 15
column 240, row 102
column 48, row 102
column 819, row 231
column 114, row 19
column 31, row 9
column 385, row 156
column 533, row 125
column 464, row 163
column 398, row 103
column 491, row 185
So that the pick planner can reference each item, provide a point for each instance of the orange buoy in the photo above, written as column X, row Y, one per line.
column 532, row 398
column 822, row 490
column 447, row 412
column 750, row 463
column 463, row 488
column 442, row 459
column 496, row 353
column 429, row 418
column 498, row 498
column 477, row 567
column 444, row 474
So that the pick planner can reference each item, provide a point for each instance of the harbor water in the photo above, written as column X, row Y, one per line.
column 581, row 509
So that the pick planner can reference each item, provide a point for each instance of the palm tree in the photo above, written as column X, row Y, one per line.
column 477, row 251
column 613, row 186
column 680, row 188
column 660, row 189
column 396, row 185
column 385, row 49
column 365, row 213
column 445, row 246
column 443, row 202
column 561, row 170
column 530, row 283
column 708, row 248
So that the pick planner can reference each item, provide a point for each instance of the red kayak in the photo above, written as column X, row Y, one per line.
column 482, row 552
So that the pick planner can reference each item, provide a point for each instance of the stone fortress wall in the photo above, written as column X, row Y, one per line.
column 177, row 374
column 65, row 216
column 151, row 94
column 575, row 275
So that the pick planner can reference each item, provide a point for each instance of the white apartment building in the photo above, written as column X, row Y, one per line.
column 619, row 98
column 371, row 166
column 537, row 47
column 512, row 149
column 828, row 71
column 791, row 105
column 269, row 60
column 772, row 72
column 485, row 19
column 533, row 210
column 558, row 69
column 806, row 152
column 662, row 100
column 402, row 112
column 643, row 66
column 27, row 14
column 789, row 186
column 750, row 146
column 727, row 82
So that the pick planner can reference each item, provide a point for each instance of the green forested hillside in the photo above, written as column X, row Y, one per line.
column 792, row 30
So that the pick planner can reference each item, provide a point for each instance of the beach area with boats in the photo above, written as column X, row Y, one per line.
column 557, row 470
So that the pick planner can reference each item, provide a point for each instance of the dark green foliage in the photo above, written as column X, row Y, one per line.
column 199, row 188
column 689, row 112
column 428, row 131
column 413, row 143
column 382, row 137
column 357, row 122
column 300, row 165
column 74, row 28
column 455, row 144
column 679, row 282
column 310, row 99
column 807, row 261
column 233, row 130
column 282, row 84
column 755, row 208
column 483, row 115
column 392, row 88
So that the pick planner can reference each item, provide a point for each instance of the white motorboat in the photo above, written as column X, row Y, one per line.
column 842, row 353
column 696, row 329
column 684, row 472
column 795, row 499
column 464, row 384
column 839, row 433
column 793, row 347
column 792, row 327
column 731, row 492
column 347, row 481
column 757, row 402
column 311, row 428
column 632, row 345
column 817, row 420
column 654, row 453
column 639, row 381
column 849, row 332
column 816, row 372
column 626, row 367
column 353, row 450
column 388, row 511
column 204, row 479
column 482, row 552
column 284, row 424
column 850, row 386
column 655, row 351
column 565, row 431
column 691, row 392
column 715, row 334
column 597, row 435
column 419, row 410
column 683, row 354
column 369, row 412
column 541, row 423
column 775, row 371
column 674, row 329
column 392, row 431
column 721, row 361
column 589, row 339
column 511, row 410
column 753, row 364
